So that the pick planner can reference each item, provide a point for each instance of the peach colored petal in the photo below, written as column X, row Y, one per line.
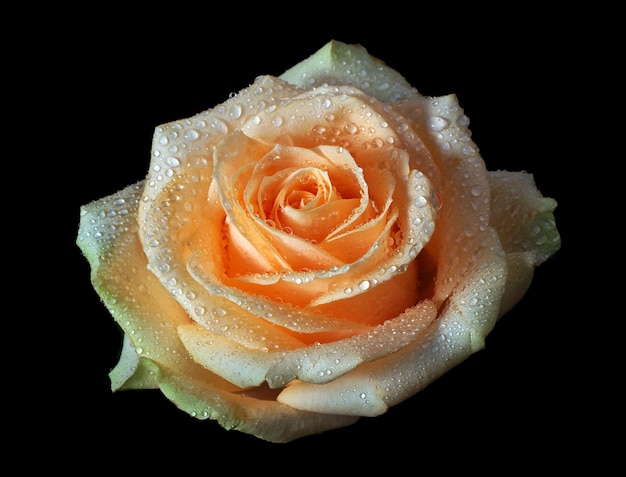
column 457, row 333
column 177, row 229
column 416, row 225
column 249, row 367
column 284, row 315
column 388, row 299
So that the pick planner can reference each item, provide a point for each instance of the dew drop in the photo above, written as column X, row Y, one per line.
column 219, row 125
column 235, row 111
column 437, row 123
column 172, row 161
column 219, row 311
column 191, row 135
column 420, row 201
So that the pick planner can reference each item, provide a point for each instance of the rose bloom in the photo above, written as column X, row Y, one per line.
column 319, row 247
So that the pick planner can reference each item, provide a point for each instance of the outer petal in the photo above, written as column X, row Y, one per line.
column 337, row 63
column 321, row 363
column 263, row 418
column 141, row 306
column 525, row 223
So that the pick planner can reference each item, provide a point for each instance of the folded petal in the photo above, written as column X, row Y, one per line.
column 250, row 367
column 263, row 418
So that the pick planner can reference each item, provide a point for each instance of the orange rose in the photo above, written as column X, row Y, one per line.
column 319, row 247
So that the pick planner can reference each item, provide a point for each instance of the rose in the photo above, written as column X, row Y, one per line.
column 319, row 247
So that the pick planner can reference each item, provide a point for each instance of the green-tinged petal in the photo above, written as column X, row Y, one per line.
column 337, row 63
column 146, row 312
column 525, row 223
column 133, row 372
column 263, row 418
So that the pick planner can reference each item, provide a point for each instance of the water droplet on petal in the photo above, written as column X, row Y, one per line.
column 364, row 285
column 437, row 123
column 191, row 135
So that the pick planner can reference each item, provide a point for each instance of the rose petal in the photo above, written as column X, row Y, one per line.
column 281, row 251
column 339, row 64
column 132, row 372
column 525, row 223
column 379, row 265
column 289, row 317
column 325, row 362
column 464, row 193
column 179, row 224
column 263, row 418
column 189, row 142
column 457, row 333
column 322, row 363
column 140, row 305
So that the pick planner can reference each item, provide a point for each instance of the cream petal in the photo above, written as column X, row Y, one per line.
column 133, row 372
column 326, row 362
column 350, row 120
column 322, row 363
column 353, row 244
column 190, row 142
column 337, row 63
column 464, row 193
column 242, row 366
column 263, row 418
column 108, row 237
column 525, row 223
column 282, row 251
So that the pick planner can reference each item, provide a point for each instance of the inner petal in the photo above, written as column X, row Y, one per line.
column 304, row 202
column 308, row 193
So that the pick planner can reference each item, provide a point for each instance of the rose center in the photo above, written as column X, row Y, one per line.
column 304, row 201
column 294, row 192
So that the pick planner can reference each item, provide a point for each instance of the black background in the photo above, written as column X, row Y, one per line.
column 109, row 77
